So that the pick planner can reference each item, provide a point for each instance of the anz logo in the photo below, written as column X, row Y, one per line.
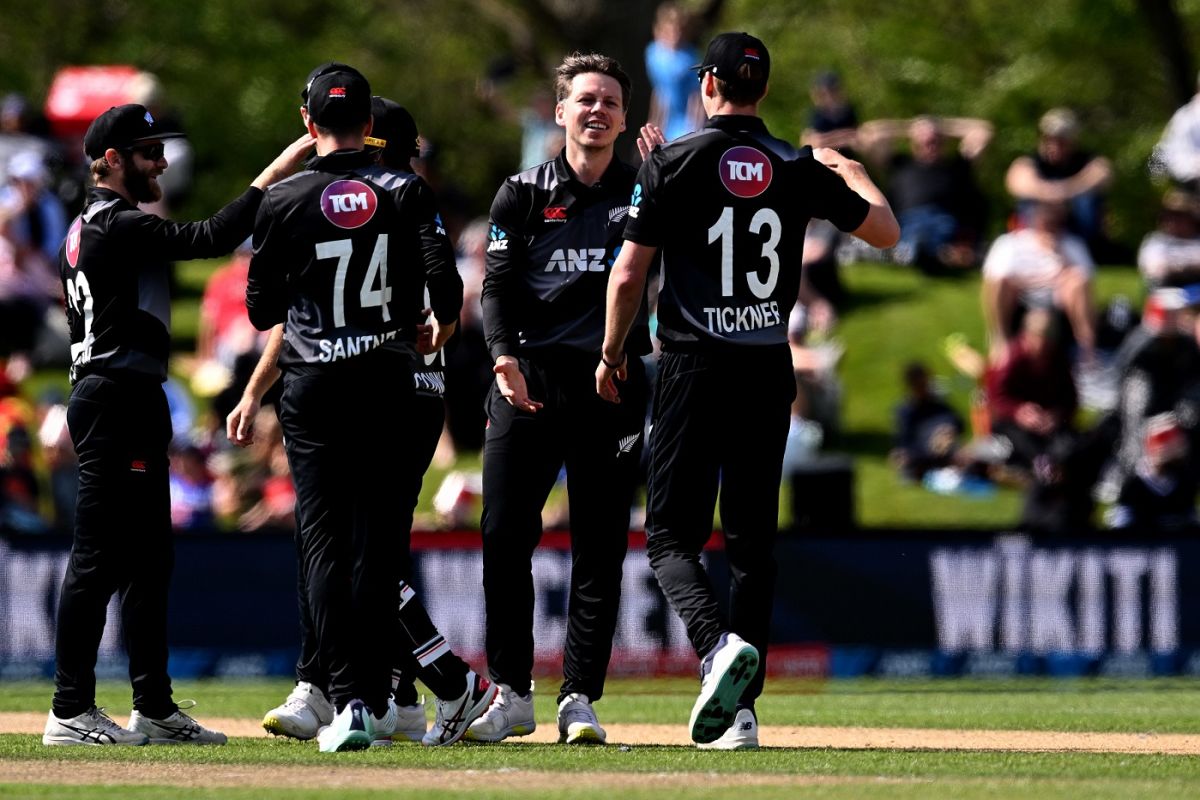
column 497, row 240
column 571, row 260
column 635, row 201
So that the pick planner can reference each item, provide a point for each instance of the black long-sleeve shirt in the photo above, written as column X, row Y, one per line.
column 114, row 266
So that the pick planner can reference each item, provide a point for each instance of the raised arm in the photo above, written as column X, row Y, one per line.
column 879, row 228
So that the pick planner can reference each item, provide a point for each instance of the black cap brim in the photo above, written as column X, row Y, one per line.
column 158, row 137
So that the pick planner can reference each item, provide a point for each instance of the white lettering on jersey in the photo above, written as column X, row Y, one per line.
column 344, row 347
column 572, row 260
column 731, row 319
column 745, row 171
column 349, row 202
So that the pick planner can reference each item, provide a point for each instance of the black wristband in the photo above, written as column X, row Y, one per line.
column 617, row 365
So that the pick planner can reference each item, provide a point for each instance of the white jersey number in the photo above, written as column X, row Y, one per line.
column 79, row 297
column 722, row 230
column 374, row 291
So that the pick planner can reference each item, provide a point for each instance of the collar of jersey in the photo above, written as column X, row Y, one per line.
column 737, row 122
column 609, row 181
column 340, row 160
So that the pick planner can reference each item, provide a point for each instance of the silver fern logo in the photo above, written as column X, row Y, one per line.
column 617, row 214
column 626, row 443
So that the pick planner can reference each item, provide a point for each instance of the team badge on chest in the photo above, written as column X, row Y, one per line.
column 745, row 171
column 348, row 203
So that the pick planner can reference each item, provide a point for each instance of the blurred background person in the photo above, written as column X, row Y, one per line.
column 1041, row 266
column 1170, row 254
column 1060, row 171
column 934, row 192
column 670, row 65
column 833, row 120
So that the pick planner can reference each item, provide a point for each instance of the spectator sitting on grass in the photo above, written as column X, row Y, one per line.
column 1060, row 172
column 1042, row 266
column 939, row 205
column 1160, row 494
column 1170, row 255
column 927, row 428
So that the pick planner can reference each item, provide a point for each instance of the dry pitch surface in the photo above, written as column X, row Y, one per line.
column 92, row 773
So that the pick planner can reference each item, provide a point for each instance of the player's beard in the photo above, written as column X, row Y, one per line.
column 141, row 186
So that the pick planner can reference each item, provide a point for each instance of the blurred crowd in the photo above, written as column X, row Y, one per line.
column 1080, row 406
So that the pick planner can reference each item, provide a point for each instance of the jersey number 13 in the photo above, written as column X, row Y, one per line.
column 722, row 231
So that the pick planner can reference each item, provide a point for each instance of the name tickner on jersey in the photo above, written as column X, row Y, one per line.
column 731, row 319
column 349, row 346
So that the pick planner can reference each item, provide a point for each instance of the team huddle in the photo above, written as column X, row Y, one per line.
column 355, row 280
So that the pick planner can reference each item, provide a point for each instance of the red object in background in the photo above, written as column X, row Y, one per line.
column 79, row 94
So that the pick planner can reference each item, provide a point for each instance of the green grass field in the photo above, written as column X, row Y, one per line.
column 647, row 771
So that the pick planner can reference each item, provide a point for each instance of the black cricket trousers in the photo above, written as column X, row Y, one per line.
column 600, row 444
column 720, row 419
column 121, row 427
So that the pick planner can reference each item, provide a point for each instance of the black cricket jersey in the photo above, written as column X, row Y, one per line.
column 342, row 255
column 728, row 206
column 552, row 242
column 114, row 266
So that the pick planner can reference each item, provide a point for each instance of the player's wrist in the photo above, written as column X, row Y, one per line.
column 612, row 363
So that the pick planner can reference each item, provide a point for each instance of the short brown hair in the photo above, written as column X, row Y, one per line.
column 583, row 63
column 747, row 89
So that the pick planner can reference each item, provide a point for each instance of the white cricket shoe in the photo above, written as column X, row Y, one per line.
column 724, row 674
column 92, row 727
column 577, row 723
column 178, row 728
column 510, row 715
column 455, row 716
column 741, row 735
column 410, row 721
column 352, row 728
column 304, row 713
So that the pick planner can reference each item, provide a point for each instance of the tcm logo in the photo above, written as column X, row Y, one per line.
column 555, row 214
column 571, row 260
column 348, row 204
column 745, row 171
column 74, row 236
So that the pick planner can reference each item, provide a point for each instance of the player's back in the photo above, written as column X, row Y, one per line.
column 729, row 205
column 351, row 256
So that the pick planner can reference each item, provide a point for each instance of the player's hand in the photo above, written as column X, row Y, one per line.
column 606, row 376
column 651, row 136
column 239, row 425
column 846, row 167
column 512, row 386
column 286, row 162
column 432, row 336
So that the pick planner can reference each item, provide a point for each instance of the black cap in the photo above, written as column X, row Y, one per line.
column 122, row 127
column 396, row 128
column 325, row 69
column 339, row 99
column 728, row 51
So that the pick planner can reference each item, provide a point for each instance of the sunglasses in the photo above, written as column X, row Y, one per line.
column 150, row 152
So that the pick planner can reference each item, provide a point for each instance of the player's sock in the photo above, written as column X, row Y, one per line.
column 437, row 665
column 404, row 692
